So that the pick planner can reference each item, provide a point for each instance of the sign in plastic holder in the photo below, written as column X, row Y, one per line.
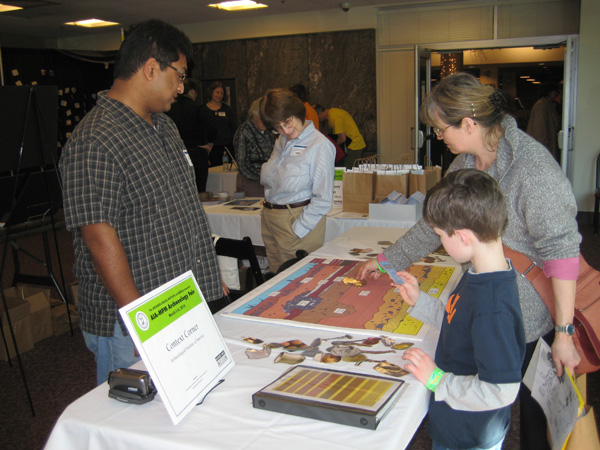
column 179, row 342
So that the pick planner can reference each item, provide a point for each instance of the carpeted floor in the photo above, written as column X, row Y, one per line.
column 60, row 369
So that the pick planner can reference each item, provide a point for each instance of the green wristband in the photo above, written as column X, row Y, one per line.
column 380, row 268
column 434, row 379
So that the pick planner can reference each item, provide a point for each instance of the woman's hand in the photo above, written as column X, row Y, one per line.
column 410, row 289
column 368, row 270
column 420, row 364
column 564, row 353
column 563, row 348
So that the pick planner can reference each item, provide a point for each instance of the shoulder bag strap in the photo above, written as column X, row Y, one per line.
column 527, row 268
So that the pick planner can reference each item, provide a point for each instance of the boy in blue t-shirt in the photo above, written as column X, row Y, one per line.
column 477, row 369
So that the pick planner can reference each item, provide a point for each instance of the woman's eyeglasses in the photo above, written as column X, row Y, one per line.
column 283, row 126
column 439, row 132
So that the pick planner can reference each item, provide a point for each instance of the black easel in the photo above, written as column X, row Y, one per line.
column 20, row 210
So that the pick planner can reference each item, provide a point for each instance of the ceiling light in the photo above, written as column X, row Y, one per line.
column 531, row 79
column 525, row 76
column 92, row 23
column 6, row 8
column 238, row 5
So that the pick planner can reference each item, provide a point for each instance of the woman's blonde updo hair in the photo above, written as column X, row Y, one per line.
column 462, row 95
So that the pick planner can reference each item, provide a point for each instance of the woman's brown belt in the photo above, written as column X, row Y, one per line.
column 268, row 205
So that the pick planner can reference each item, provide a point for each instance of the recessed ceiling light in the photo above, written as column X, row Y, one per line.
column 238, row 5
column 531, row 79
column 92, row 23
column 525, row 76
column 6, row 8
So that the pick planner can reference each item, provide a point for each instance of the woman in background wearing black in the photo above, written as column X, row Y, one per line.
column 220, row 116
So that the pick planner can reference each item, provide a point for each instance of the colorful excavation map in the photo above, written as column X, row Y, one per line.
column 316, row 294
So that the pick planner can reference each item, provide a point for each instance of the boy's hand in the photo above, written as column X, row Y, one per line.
column 410, row 289
column 420, row 364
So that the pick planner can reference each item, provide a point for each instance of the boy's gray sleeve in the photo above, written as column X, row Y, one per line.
column 469, row 393
column 428, row 309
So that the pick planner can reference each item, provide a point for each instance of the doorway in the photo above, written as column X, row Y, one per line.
column 518, row 71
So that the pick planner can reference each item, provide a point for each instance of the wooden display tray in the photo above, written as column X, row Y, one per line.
column 330, row 395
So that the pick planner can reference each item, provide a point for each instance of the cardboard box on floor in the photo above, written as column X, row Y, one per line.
column 20, row 318
column 60, row 319
column 73, row 293
column 26, row 290
column 38, row 298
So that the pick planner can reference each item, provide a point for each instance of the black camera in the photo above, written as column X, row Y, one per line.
column 131, row 386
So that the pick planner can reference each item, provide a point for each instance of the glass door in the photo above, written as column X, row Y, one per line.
column 565, row 136
column 422, row 144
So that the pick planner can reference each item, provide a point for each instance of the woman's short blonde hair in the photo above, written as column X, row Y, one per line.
column 254, row 110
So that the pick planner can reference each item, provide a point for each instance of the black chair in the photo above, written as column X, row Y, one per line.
column 241, row 250
column 290, row 262
column 597, row 197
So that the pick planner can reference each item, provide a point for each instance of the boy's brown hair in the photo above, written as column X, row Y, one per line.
column 467, row 199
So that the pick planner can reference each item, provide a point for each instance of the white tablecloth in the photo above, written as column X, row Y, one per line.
column 226, row 419
column 220, row 179
column 225, row 221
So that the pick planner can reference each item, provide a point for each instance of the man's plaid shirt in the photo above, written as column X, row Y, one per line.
column 120, row 170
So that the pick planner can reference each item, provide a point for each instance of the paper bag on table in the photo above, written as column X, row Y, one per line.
column 387, row 181
column 433, row 174
column 424, row 179
column 358, row 191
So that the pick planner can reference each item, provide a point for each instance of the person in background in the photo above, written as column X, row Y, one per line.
column 471, row 119
column 219, row 115
column 343, row 126
column 476, row 372
column 311, row 114
column 298, row 180
column 188, row 117
column 544, row 121
column 253, row 146
column 129, row 194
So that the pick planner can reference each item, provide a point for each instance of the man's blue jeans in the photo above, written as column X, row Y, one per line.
column 111, row 352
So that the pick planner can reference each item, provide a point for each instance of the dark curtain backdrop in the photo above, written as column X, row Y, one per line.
column 338, row 69
column 77, row 77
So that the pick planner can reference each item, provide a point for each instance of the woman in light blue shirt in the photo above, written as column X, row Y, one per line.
column 298, row 179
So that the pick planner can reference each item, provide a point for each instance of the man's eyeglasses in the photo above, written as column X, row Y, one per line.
column 182, row 75
column 439, row 132
column 283, row 126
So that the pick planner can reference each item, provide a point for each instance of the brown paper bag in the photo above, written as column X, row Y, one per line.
column 433, row 175
column 417, row 182
column 585, row 433
column 387, row 183
column 358, row 190
column 424, row 180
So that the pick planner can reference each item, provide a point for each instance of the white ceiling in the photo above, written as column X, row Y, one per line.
column 46, row 18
